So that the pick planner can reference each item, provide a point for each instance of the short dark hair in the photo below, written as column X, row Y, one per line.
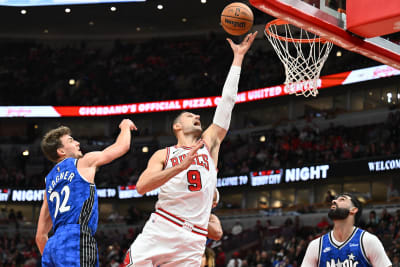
column 176, row 121
column 356, row 204
column 51, row 142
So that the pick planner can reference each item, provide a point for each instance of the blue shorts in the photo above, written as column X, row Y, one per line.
column 71, row 246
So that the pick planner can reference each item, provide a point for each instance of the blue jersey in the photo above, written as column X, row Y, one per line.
column 73, row 209
column 351, row 253
column 71, row 199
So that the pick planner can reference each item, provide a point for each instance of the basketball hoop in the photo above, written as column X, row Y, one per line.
column 302, row 53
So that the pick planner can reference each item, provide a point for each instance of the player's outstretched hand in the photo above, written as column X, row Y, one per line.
column 127, row 123
column 243, row 47
column 191, row 155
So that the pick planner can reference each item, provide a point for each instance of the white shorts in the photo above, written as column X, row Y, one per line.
column 162, row 243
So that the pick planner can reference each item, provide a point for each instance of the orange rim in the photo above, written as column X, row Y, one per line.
column 279, row 22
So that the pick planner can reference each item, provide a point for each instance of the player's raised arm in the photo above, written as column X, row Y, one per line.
column 44, row 226
column 154, row 176
column 214, row 135
column 121, row 146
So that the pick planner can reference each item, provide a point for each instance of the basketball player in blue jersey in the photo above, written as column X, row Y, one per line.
column 70, row 199
column 346, row 245
column 176, row 233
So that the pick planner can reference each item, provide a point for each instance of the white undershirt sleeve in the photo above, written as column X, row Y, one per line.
column 312, row 253
column 223, row 113
column 375, row 251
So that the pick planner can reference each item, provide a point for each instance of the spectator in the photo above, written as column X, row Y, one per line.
column 235, row 261
column 373, row 220
column 329, row 197
column 237, row 228
column 265, row 259
column 385, row 216
column 396, row 261
column 323, row 224
column 221, row 258
column 3, row 215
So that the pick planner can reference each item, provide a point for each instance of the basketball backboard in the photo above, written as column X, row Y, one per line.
column 327, row 18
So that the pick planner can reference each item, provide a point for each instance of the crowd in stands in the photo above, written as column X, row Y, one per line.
column 309, row 145
column 35, row 73
column 264, row 245
column 126, row 72
column 244, row 153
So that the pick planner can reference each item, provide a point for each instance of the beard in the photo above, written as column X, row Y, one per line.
column 338, row 213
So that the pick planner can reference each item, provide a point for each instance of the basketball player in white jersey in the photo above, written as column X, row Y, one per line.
column 175, row 235
column 346, row 245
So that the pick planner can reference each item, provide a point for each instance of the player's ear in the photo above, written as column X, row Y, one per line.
column 177, row 126
column 353, row 210
column 60, row 152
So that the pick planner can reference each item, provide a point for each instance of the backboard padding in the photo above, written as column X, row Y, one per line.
column 330, row 27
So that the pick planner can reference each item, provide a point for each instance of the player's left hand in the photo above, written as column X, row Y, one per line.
column 243, row 47
column 190, row 157
column 127, row 123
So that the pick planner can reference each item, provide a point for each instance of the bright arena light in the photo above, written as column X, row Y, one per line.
column 145, row 149
column 339, row 53
column 71, row 82
column 203, row 1
column 23, row 11
column 113, row 8
column 160, row 7
column 389, row 97
column 25, row 153
column 67, row 10
column 262, row 139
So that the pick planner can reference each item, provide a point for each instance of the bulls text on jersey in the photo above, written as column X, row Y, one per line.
column 201, row 160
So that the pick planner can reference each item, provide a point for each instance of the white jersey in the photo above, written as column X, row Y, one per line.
column 189, row 195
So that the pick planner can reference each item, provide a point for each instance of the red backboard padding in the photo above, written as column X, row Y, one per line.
column 372, row 18
column 303, row 15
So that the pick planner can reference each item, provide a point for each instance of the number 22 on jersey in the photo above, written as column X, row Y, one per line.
column 55, row 195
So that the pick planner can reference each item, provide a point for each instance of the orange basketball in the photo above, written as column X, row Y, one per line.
column 237, row 18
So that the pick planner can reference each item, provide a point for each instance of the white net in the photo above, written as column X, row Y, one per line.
column 303, row 55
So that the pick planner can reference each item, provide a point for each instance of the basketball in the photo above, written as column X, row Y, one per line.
column 237, row 18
